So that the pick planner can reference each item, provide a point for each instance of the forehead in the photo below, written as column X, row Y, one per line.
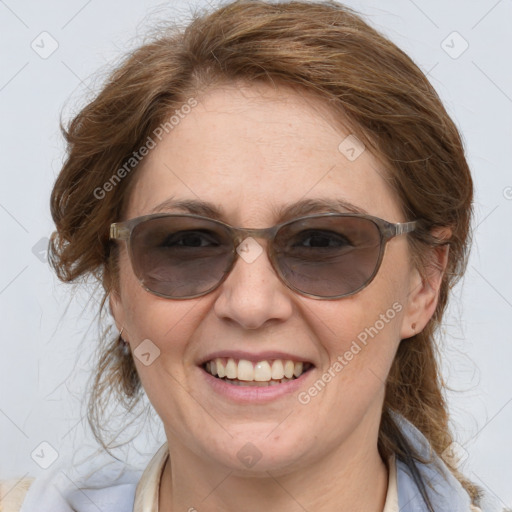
column 250, row 151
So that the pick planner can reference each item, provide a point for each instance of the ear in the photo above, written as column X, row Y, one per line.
column 117, row 309
column 424, row 289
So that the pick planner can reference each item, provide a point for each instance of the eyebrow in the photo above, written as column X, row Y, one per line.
column 283, row 212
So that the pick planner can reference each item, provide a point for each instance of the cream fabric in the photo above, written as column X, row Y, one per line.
column 391, row 504
column 146, row 494
column 12, row 494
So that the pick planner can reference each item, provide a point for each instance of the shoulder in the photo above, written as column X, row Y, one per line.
column 439, row 484
column 109, row 489
column 12, row 493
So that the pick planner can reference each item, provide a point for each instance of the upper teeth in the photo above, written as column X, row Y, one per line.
column 260, row 371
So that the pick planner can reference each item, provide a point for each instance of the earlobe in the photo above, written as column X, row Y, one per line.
column 424, row 293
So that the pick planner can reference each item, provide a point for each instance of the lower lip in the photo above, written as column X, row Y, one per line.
column 255, row 394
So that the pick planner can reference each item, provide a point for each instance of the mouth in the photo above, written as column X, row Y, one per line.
column 268, row 372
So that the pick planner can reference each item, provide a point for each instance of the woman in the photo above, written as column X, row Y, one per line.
column 277, row 205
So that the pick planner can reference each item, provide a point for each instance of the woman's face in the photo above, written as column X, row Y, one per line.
column 249, row 151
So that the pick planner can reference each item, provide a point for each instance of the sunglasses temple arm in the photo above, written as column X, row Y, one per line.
column 405, row 227
column 119, row 232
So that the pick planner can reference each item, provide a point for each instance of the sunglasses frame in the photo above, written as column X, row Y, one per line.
column 388, row 230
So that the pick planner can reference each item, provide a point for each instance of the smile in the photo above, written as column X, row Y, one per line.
column 242, row 372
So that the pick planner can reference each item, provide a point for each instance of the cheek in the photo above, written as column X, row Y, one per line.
column 360, row 334
column 161, row 352
column 158, row 329
column 169, row 326
column 370, row 319
column 357, row 357
column 360, row 337
column 148, row 316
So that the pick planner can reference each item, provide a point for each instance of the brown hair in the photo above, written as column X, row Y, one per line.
column 321, row 48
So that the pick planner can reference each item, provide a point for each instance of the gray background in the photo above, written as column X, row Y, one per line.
column 46, row 340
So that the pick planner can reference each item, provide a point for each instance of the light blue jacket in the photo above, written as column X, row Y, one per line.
column 112, row 489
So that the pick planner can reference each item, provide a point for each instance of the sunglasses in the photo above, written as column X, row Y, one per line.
column 324, row 256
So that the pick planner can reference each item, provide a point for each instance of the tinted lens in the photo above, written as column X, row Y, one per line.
column 179, row 256
column 328, row 256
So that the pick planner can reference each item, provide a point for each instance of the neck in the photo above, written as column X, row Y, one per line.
column 345, row 480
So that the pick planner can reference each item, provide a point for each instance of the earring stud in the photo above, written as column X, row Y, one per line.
column 123, row 344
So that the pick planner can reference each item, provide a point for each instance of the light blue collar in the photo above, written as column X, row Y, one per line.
column 444, row 490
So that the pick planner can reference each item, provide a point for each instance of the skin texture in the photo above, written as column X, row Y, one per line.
column 249, row 149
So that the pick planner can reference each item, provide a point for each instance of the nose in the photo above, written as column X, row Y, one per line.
column 253, row 294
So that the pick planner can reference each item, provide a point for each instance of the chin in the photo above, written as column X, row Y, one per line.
column 258, row 452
